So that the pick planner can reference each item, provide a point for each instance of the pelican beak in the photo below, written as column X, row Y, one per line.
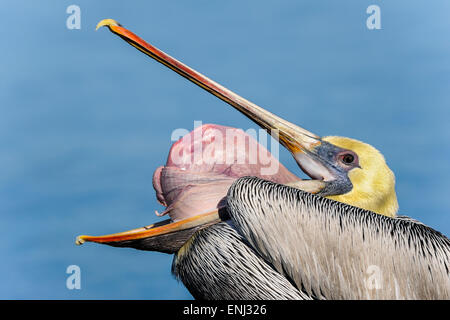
column 164, row 236
column 169, row 236
column 300, row 142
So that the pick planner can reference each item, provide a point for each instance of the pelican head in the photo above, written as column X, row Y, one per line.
column 352, row 171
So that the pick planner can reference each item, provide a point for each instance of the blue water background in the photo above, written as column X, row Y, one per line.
column 85, row 119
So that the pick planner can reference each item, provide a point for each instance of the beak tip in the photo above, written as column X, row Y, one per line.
column 80, row 240
column 107, row 23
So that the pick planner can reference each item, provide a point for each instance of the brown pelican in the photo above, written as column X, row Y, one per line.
column 335, row 236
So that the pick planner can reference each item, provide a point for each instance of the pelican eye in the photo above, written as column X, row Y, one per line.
column 348, row 158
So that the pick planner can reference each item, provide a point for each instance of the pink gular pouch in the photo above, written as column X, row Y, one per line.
column 203, row 164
